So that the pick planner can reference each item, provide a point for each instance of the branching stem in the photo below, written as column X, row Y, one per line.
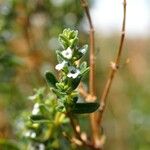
column 91, row 95
column 84, row 4
column 114, row 68
column 76, row 129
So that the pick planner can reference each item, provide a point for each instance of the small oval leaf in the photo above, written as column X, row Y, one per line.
column 50, row 78
column 73, row 84
column 39, row 118
column 82, row 108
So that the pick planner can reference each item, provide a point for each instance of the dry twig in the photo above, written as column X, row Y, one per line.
column 114, row 68
column 83, row 141
column 84, row 4
column 91, row 95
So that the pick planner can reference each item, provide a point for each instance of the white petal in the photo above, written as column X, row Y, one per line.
column 60, row 66
column 32, row 97
column 67, row 53
column 36, row 109
column 36, row 105
column 27, row 134
column 69, row 75
column 41, row 147
column 33, row 135
column 76, row 74
column 73, row 75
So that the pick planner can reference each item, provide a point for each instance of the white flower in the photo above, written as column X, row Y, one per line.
column 36, row 109
column 33, row 97
column 60, row 66
column 33, row 135
column 41, row 147
column 27, row 134
column 73, row 72
column 30, row 134
column 67, row 53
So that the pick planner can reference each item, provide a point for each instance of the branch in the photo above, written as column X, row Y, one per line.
column 91, row 95
column 81, row 138
column 84, row 4
column 114, row 68
column 82, row 91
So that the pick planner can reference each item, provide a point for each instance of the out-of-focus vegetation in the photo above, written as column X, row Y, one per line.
column 126, row 120
column 28, row 38
column 28, row 31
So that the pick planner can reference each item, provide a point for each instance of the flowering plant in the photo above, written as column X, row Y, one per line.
column 71, row 73
column 52, row 111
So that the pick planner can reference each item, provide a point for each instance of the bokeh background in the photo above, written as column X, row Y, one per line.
column 28, row 40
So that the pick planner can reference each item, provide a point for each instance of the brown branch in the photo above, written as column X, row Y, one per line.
column 91, row 95
column 114, row 68
column 84, row 4
column 79, row 137
column 88, row 97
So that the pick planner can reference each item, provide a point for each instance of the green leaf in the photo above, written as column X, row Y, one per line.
column 74, row 42
column 39, row 94
column 59, row 56
column 82, row 108
column 50, row 78
column 39, row 118
column 8, row 145
column 77, row 55
column 58, row 92
column 44, row 109
column 85, row 71
column 42, row 115
column 83, row 65
column 73, row 34
column 73, row 83
column 64, row 41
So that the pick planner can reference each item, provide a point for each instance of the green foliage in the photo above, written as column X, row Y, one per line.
column 7, row 144
column 70, row 74
column 45, row 123
column 18, row 19
column 48, row 116
column 81, row 108
column 50, row 78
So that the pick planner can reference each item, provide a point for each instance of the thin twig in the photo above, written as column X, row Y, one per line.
column 82, row 91
column 76, row 129
column 84, row 4
column 91, row 95
column 114, row 68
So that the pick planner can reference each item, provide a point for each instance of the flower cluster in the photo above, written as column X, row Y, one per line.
column 67, row 58
column 71, row 73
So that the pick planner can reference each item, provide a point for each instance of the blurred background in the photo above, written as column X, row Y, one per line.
column 28, row 40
